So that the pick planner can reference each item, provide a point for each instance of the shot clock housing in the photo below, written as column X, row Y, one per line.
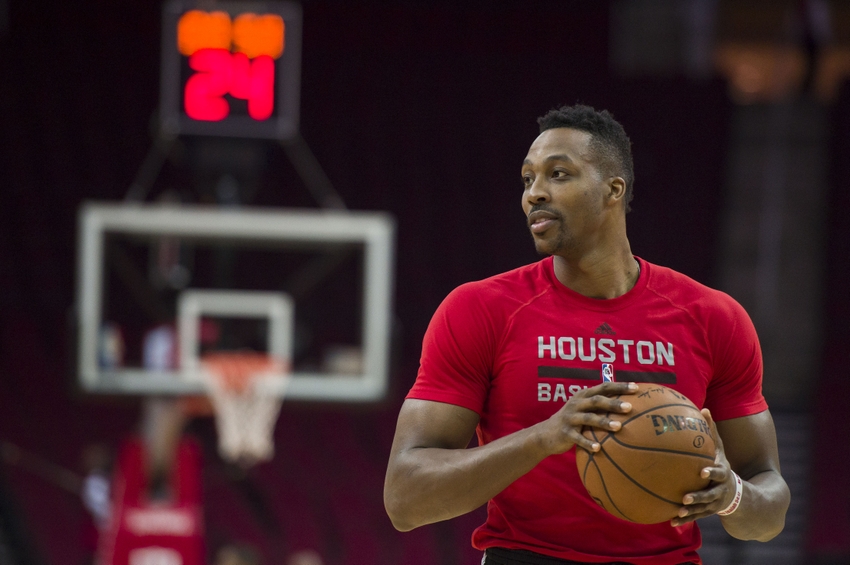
column 231, row 69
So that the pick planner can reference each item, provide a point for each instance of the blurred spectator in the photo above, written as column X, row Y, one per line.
column 236, row 554
column 305, row 557
column 97, row 466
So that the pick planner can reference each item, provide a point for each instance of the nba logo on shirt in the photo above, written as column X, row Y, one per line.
column 607, row 373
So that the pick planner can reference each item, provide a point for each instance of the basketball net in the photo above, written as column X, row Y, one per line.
column 245, row 392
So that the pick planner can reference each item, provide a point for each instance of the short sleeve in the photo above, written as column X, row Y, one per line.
column 735, row 389
column 457, row 352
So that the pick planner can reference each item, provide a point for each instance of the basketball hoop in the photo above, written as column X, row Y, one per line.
column 245, row 389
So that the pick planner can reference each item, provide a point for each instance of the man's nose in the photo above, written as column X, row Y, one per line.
column 537, row 192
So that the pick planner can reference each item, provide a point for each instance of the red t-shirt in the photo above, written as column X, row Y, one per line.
column 515, row 347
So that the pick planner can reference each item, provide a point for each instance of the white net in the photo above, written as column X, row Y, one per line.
column 245, row 392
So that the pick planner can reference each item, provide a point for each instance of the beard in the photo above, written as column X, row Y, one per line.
column 555, row 241
column 548, row 242
column 572, row 232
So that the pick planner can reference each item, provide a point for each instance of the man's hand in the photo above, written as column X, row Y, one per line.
column 747, row 445
column 721, row 489
column 585, row 408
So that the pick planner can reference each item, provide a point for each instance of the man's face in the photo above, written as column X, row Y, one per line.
column 564, row 193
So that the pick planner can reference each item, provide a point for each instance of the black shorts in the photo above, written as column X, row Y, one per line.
column 501, row 556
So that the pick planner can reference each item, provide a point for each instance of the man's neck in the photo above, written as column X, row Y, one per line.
column 601, row 276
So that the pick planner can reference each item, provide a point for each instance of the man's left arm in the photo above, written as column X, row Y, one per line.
column 747, row 447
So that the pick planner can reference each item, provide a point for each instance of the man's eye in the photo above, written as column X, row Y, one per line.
column 526, row 181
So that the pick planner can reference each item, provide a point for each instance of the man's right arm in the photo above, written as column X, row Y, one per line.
column 432, row 476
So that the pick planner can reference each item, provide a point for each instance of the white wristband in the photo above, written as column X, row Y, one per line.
column 736, row 501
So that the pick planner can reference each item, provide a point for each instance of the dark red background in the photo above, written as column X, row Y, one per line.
column 421, row 109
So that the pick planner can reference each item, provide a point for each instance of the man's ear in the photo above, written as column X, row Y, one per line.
column 616, row 189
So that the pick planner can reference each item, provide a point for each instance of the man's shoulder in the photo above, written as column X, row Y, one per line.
column 670, row 279
column 687, row 293
column 498, row 296
column 526, row 280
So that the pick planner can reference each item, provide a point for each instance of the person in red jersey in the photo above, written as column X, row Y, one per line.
column 526, row 358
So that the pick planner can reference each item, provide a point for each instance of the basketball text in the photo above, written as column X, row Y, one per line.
column 676, row 423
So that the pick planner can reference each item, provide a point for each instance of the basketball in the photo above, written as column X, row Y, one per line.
column 642, row 471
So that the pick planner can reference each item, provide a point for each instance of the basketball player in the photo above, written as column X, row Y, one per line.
column 520, row 359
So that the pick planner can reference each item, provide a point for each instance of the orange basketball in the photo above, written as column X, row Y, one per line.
column 643, row 470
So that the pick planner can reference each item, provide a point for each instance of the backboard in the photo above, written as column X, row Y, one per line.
column 158, row 285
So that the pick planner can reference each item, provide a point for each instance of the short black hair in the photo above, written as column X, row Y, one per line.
column 608, row 141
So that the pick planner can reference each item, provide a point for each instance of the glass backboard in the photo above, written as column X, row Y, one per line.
column 160, row 285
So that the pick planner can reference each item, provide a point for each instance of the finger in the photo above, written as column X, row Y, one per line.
column 690, row 516
column 611, row 389
column 718, row 442
column 705, row 497
column 699, row 505
column 600, row 403
column 582, row 441
column 717, row 474
column 582, row 420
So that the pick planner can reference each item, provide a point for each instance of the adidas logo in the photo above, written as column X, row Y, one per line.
column 605, row 329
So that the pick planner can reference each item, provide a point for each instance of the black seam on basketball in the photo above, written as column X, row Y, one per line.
column 662, row 450
column 640, row 486
column 607, row 494
column 586, row 465
column 590, row 455
column 591, row 462
column 596, row 439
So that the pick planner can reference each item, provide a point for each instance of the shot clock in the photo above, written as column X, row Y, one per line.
column 231, row 68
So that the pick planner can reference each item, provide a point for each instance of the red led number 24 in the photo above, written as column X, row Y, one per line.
column 220, row 72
